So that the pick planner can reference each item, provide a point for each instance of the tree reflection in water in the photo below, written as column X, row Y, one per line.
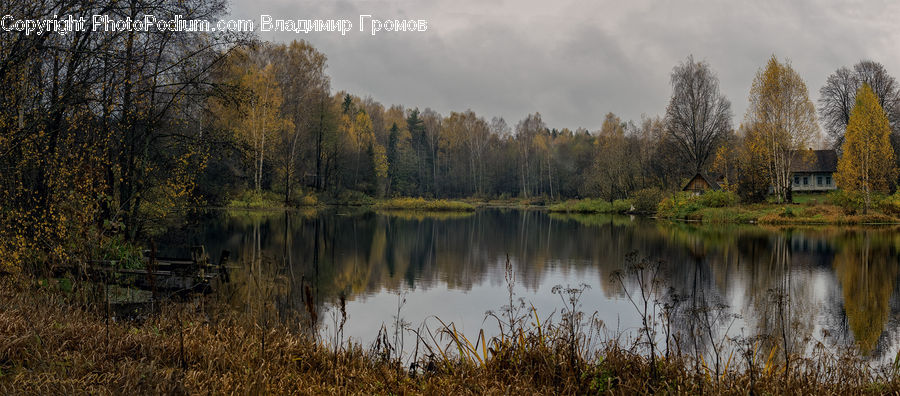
column 792, row 286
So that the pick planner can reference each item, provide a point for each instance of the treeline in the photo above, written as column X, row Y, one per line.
column 337, row 145
column 291, row 136
column 106, row 134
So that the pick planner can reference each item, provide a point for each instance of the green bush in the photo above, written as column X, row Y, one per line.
column 123, row 253
column 679, row 205
column 718, row 198
column 850, row 201
column 621, row 205
column 647, row 200
column 257, row 199
column 787, row 212
column 890, row 204
column 682, row 204
column 353, row 198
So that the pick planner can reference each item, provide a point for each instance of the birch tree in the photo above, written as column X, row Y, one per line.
column 781, row 111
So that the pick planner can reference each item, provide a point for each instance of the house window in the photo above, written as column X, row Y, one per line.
column 819, row 180
column 796, row 180
column 805, row 180
column 828, row 180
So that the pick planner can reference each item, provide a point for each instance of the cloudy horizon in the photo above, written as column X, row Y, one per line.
column 574, row 63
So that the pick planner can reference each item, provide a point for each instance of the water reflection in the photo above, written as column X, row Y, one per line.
column 794, row 285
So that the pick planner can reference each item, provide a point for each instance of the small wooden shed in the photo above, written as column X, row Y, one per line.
column 700, row 183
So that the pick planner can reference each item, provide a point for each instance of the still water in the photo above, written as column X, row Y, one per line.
column 831, row 285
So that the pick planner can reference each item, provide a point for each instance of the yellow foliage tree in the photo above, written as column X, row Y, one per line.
column 867, row 164
column 866, row 275
column 785, row 119
column 363, row 136
column 263, row 117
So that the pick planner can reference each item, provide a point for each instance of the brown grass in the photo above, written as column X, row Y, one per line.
column 50, row 345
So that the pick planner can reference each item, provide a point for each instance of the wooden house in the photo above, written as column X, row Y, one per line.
column 813, row 170
column 700, row 183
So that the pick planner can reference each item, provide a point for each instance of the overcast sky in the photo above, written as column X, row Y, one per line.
column 575, row 61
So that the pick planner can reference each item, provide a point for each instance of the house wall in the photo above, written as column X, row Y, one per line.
column 697, row 184
column 813, row 181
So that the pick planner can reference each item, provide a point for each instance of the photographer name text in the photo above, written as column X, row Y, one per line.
column 178, row 23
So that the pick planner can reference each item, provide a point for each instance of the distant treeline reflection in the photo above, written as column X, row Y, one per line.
column 833, row 284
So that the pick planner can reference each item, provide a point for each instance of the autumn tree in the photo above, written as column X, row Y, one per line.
column 431, row 140
column 838, row 97
column 726, row 160
column 362, row 136
column 867, row 276
column 867, row 164
column 781, row 112
column 753, row 178
column 416, row 128
column 526, row 131
column 100, row 131
column 256, row 120
column 300, row 72
column 617, row 150
column 698, row 115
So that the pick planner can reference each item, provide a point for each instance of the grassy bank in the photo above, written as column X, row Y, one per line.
column 723, row 207
column 422, row 204
column 49, row 345
column 591, row 206
column 257, row 200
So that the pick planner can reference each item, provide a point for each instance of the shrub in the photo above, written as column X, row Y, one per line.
column 787, row 212
column 850, row 201
column 423, row 204
column 647, row 200
column 682, row 204
column 123, row 253
column 621, row 205
column 678, row 205
column 353, row 198
column 309, row 200
column 890, row 204
column 718, row 198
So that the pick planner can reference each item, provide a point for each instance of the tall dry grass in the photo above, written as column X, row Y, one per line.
column 50, row 344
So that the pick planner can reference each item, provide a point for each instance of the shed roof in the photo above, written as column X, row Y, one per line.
column 710, row 181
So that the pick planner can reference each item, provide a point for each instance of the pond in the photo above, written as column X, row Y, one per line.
column 833, row 286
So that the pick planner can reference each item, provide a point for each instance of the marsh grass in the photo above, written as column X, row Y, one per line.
column 51, row 344
column 592, row 206
column 422, row 204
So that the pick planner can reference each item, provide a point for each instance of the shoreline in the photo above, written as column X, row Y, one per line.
column 751, row 214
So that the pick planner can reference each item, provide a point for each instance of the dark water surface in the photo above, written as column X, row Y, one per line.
column 834, row 285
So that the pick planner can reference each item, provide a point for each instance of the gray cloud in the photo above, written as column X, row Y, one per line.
column 575, row 61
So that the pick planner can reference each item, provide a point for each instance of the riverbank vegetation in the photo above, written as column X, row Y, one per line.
column 592, row 206
column 51, row 341
column 421, row 204
column 116, row 134
column 106, row 138
column 835, row 208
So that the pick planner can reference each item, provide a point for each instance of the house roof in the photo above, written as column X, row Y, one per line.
column 818, row 161
column 710, row 181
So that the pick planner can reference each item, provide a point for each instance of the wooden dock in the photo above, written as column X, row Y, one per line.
column 163, row 274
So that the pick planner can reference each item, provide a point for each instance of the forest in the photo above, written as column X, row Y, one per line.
column 119, row 148
column 111, row 134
